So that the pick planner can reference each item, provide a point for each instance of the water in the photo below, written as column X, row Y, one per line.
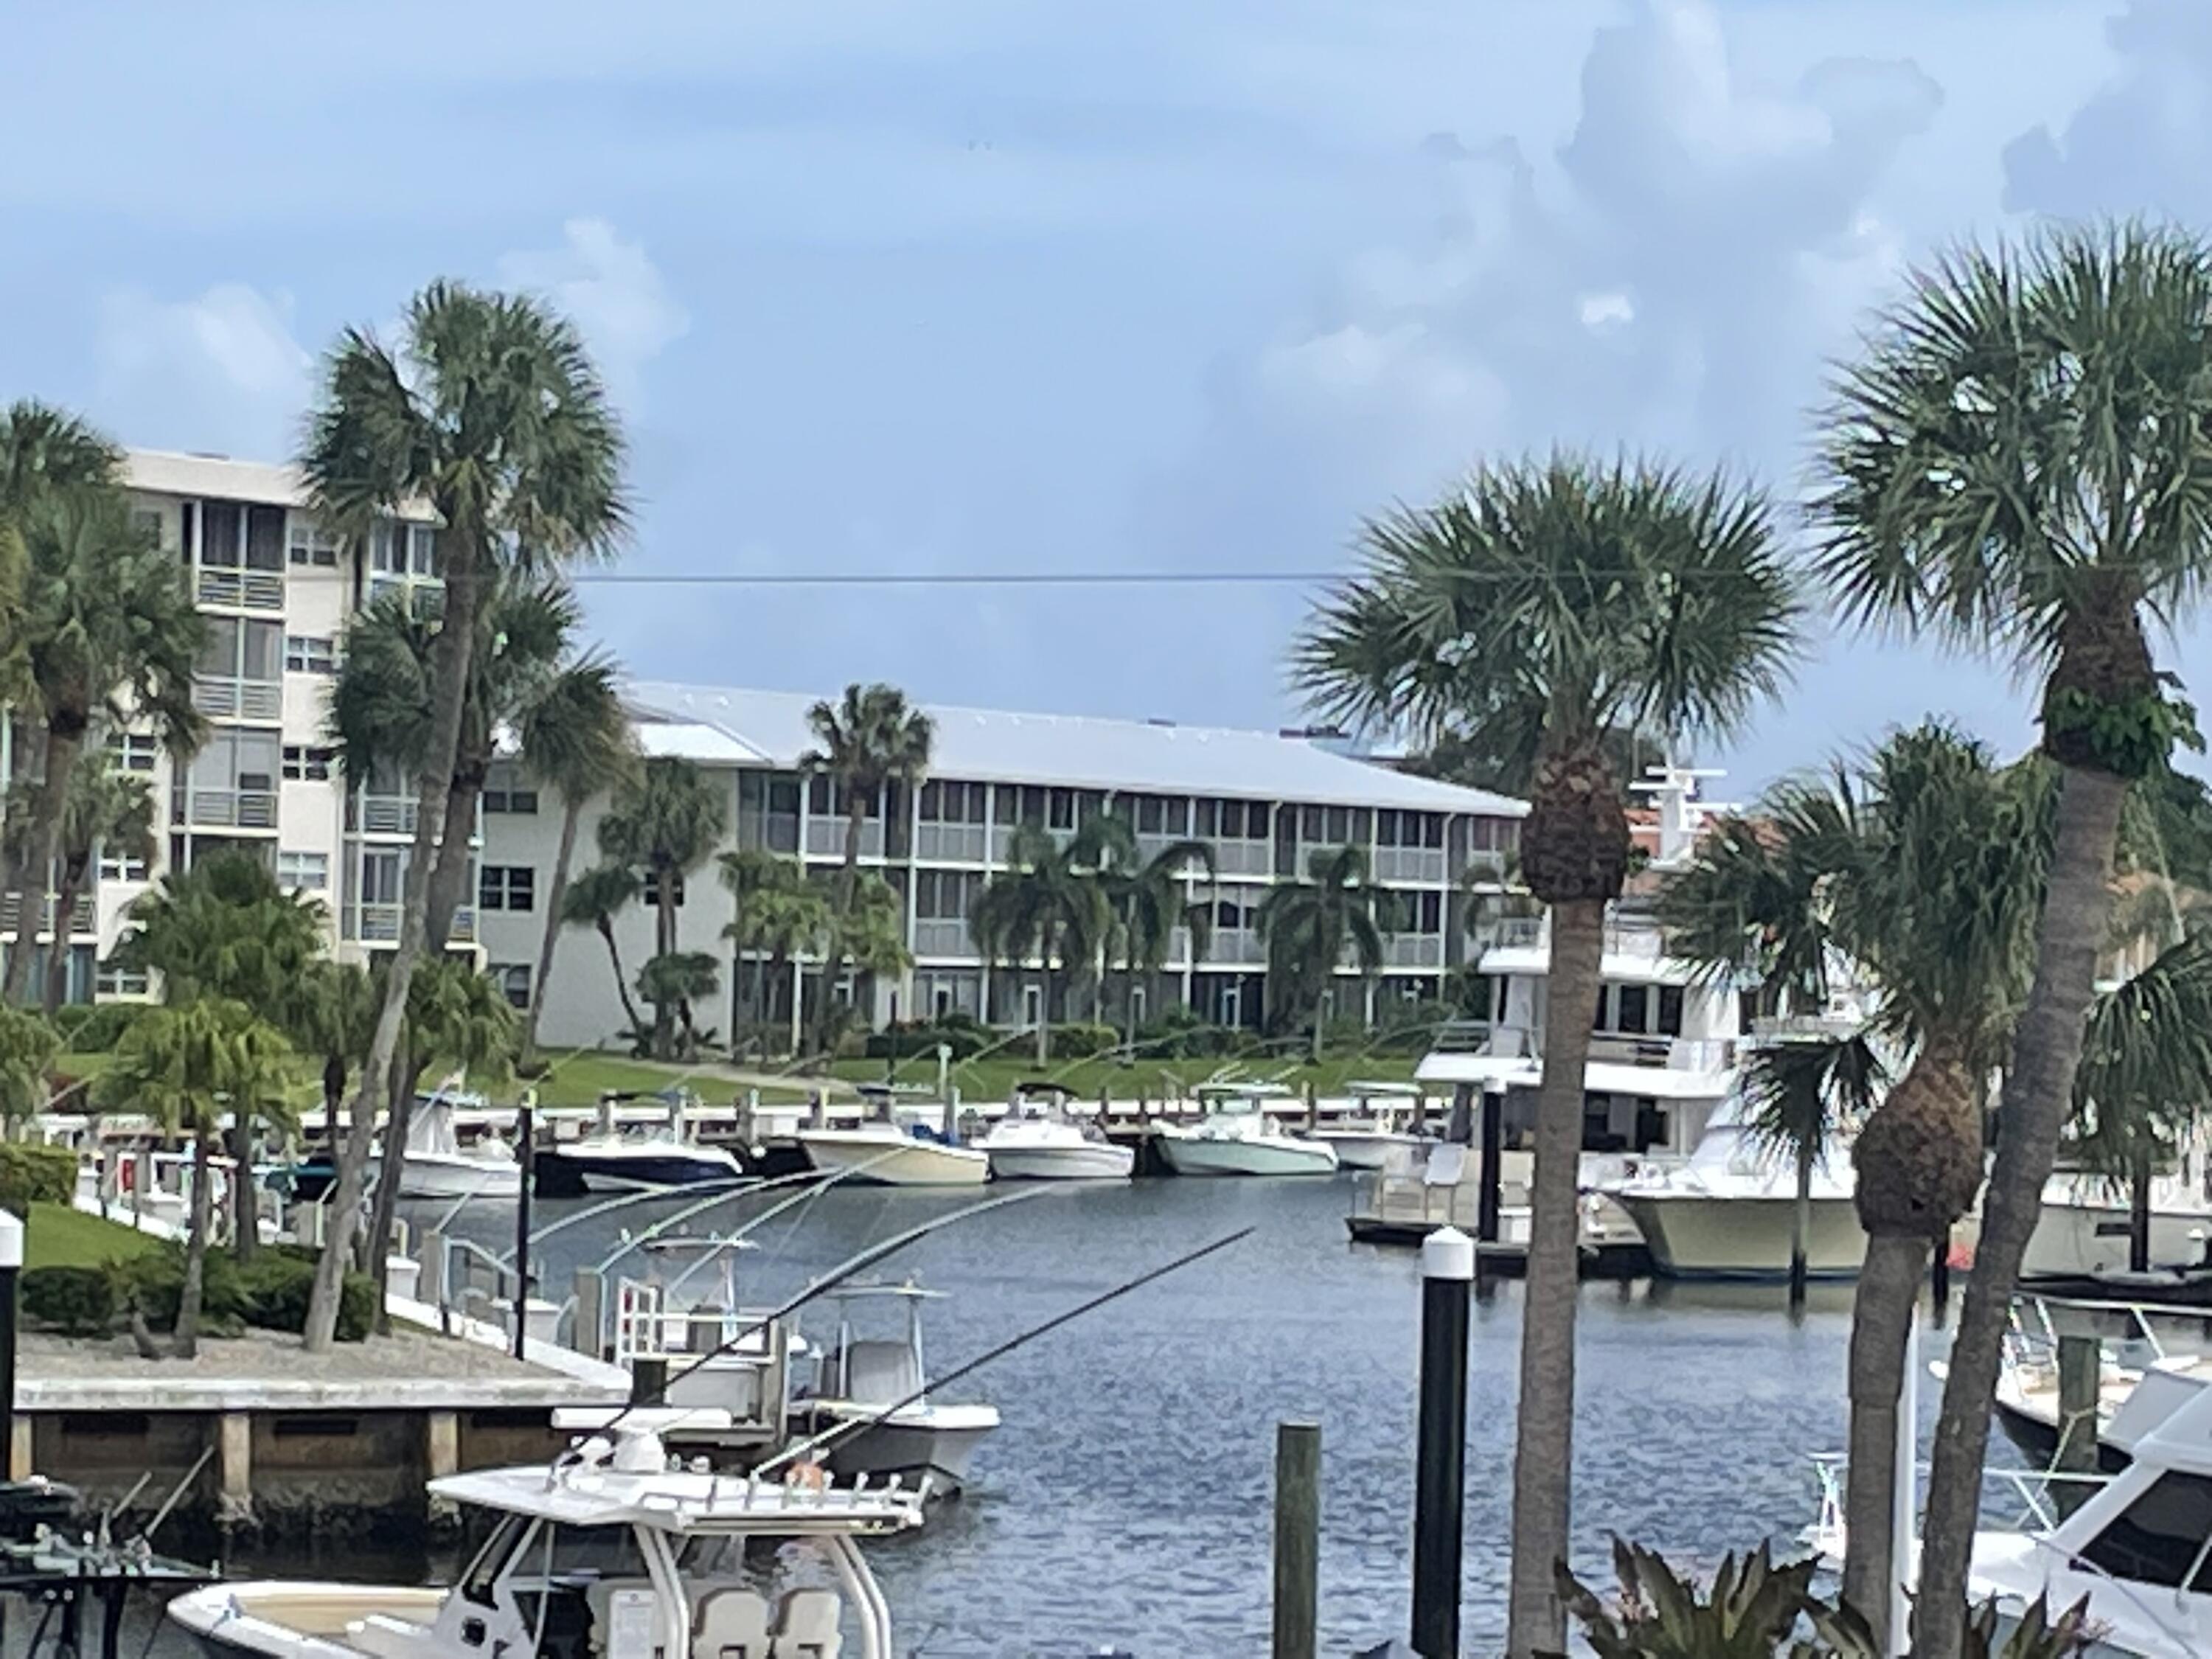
column 1126, row 1499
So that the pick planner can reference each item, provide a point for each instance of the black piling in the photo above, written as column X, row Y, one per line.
column 525, row 1143
column 1440, row 1478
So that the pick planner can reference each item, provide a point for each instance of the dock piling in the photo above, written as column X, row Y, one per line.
column 1440, row 1475
column 1491, row 1171
column 1298, row 1538
column 526, row 1141
column 2081, row 1376
column 11, row 1265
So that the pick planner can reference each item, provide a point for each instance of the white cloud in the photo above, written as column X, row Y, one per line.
column 612, row 290
column 220, row 371
column 1600, row 312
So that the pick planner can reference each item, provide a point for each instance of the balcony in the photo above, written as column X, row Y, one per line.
column 1661, row 1052
column 378, row 924
column 241, row 589
column 946, row 936
column 1413, row 950
column 945, row 843
column 84, row 917
column 1243, row 857
column 196, row 808
column 225, row 697
column 1236, row 944
column 1424, row 866
column 825, row 838
column 1485, row 869
column 380, row 815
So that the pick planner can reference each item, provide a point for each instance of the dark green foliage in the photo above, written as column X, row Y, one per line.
column 271, row 1293
column 919, row 1040
column 1081, row 1041
column 35, row 1174
column 75, row 1300
column 70, row 1018
column 102, row 1026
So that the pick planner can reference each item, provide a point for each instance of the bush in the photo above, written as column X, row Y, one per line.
column 104, row 1025
column 1078, row 1040
column 70, row 1018
column 270, row 1292
column 915, row 1040
column 76, row 1301
column 156, row 1282
column 35, row 1174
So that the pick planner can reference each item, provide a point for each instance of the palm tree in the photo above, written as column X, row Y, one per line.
column 1581, row 598
column 332, row 1012
column 2017, row 461
column 577, row 741
column 29, row 1043
column 108, row 626
column 1149, row 900
column 780, row 914
column 489, row 414
column 1308, row 926
column 664, row 826
column 184, row 1065
column 1048, row 906
column 107, row 811
column 593, row 900
column 672, row 983
column 44, row 451
column 868, row 739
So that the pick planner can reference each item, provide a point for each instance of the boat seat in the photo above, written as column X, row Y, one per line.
column 731, row 1624
column 807, row 1625
column 1446, row 1165
column 877, row 1373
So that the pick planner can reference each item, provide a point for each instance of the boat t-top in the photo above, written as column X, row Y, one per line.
column 1383, row 1126
column 1234, row 1136
column 616, row 1551
column 884, row 1153
column 609, row 1160
column 1038, row 1139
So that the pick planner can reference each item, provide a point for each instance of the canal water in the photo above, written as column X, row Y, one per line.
column 1124, row 1505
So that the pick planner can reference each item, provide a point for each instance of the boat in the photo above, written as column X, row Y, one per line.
column 881, row 1153
column 2149, row 1357
column 1038, row 1140
column 1440, row 1186
column 1385, row 1121
column 438, row 1166
column 609, row 1160
column 611, row 1552
column 2084, row 1228
column 878, row 1382
column 1234, row 1136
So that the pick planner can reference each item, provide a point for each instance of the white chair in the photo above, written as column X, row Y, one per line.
column 807, row 1625
column 731, row 1624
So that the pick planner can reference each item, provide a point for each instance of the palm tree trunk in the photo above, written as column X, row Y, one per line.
column 1801, row 1219
column 245, row 1213
column 449, row 688
column 1881, row 1326
column 2037, row 1092
column 848, row 882
column 449, row 876
column 73, row 870
column 571, row 813
column 64, row 741
column 391, row 1168
column 1543, row 1455
column 2139, row 1180
column 622, row 982
column 196, row 1247
column 334, row 1077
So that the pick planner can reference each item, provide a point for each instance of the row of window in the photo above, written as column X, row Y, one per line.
column 506, row 887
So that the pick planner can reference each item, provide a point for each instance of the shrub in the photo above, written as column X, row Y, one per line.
column 1078, row 1040
column 76, row 1301
column 914, row 1040
column 155, row 1282
column 104, row 1024
column 70, row 1018
column 276, row 1286
column 35, row 1174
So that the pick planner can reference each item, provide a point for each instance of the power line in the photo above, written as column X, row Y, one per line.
column 956, row 578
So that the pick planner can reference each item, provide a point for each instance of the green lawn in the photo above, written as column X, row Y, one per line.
column 57, row 1235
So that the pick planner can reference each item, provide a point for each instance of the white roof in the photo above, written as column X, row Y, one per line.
column 174, row 473
column 1079, row 751
column 683, row 1502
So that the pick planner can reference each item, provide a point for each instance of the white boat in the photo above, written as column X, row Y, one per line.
column 2084, row 1227
column 611, row 1552
column 1729, row 1211
column 1384, row 1126
column 882, row 1154
column 612, row 1160
column 437, row 1165
column 1234, row 1136
column 1038, row 1140
column 869, row 1398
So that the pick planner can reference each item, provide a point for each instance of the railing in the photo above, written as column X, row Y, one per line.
column 1413, row 950
column 1243, row 857
column 241, row 590
column 462, row 930
column 949, row 843
column 381, row 815
column 1414, row 864
column 1239, row 945
column 225, row 697
column 825, row 837
column 222, row 809
column 84, row 916
column 946, row 936
column 1486, row 867
column 1661, row 1052
column 373, row 924
column 1517, row 933
column 1461, row 1037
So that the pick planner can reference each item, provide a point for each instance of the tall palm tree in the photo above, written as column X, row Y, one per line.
column 1580, row 598
column 577, row 741
column 664, row 826
column 185, row 1065
column 1046, row 906
column 489, row 413
column 673, row 983
column 780, row 914
column 44, row 451
column 868, row 739
column 1149, row 900
column 593, row 900
column 108, row 811
column 1308, row 926
column 332, row 1012
column 108, row 626
column 2017, row 460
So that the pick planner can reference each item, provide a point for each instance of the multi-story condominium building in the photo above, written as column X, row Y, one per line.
column 1262, row 801
column 276, row 589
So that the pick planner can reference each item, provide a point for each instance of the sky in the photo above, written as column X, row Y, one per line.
column 1016, row 286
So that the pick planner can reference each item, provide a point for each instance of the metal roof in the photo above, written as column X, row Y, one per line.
column 174, row 473
column 1079, row 751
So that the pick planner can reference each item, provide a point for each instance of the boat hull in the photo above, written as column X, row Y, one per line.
column 560, row 1173
column 882, row 1160
column 1198, row 1155
column 279, row 1621
column 1361, row 1149
column 931, row 1448
column 1091, row 1161
column 432, row 1174
column 1695, row 1236
column 2093, row 1238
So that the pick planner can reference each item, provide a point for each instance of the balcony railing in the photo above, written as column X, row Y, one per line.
column 224, row 697
column 825, row 837
column 84, row 916
column 378, row 924
column 1239, row 944
column 1410, row 864
column 241, row 590
column 1479, row 1037
column 1487, row 867
column 948, row 843
column 222, row 809
column 1243, row 857
column 1463, row 1036
column 1413, row 950
column 942, row 935
column 381, row 815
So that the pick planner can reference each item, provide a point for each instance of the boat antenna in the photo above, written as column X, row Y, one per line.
column 837, row 1275
column 853, row 1425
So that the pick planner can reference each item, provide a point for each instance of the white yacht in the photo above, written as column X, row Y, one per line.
column 880, row 1154
column 437, row 1165
column 869, row 1400
column 1384, row 1122
column 1234, row 1136
column 612, row 1551
column 2085, row 1226
column 1037, row 1140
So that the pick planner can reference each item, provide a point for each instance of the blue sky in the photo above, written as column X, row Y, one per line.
column 979, row 285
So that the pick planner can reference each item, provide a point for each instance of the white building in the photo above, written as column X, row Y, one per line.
column 1262, row 800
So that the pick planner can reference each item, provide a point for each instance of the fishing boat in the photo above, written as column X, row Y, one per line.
column 1384, row 1123
column 437, row 1165
column 1037, row 1140
column 682, row 1316
column 611, row 1552
column 1234, row 1136
column 610, row 1160
column 881, row 1153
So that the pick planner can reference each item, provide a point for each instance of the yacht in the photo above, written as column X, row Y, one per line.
column 1440, row 1186
column 1385, row 1121
column 880, row 1154
column 2085, row 1227
column 610, row 1160
column 2150, row 1357
column 869, row 1402
column 1037, row 1140
column 613, row 1551
column 437, row 1165
column 1234, row 1136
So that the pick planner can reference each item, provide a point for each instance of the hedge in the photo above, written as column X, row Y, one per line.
column 77, row 1301
column 104, row 1024
column 32, row 1174
column 271, row 1293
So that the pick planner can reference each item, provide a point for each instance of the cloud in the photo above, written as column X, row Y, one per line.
column 615, row 293
column 221, row 371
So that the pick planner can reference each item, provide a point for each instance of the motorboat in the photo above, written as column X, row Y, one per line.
column 2149, row 1357
column 611, row 1160
column 2085, row 1229
column 437, row 1165
column 1385, row 1121
column 612, row 1551
column 1037, row 1140
column 881, row 1153
column 1729, row 1211
column 1234, row 1136
column 869, row 1403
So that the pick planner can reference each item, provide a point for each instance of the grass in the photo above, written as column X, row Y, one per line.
column 56, row 1236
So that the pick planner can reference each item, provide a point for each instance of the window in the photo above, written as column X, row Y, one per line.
column 1061, row 813
column 1152, row 815
column 310, row 653
column 402, row 550
column 219, row 534
column 513, row 799
column 245, row 650
column 651, row 896
column 1635, row 1003
column 2159, row 1537
column 121, row 866
column 1670, row 1011
column 305, row 765
column 513, row 979
column 113, row 981
column 310, row 543
column 309, row 872
column 506, row 887
column 132, row 751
